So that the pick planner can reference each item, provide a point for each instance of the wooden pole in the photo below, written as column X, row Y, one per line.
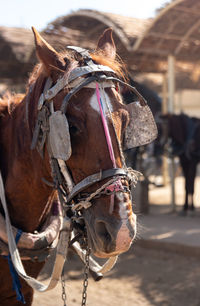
column 171, row 83
column 171, row 91
column 164, row 111
column 164, row 95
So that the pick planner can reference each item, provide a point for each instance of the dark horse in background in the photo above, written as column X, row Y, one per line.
column 184, row 133
column 154, row 101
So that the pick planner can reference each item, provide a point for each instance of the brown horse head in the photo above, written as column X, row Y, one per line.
column 65, row 138
column 96, row 134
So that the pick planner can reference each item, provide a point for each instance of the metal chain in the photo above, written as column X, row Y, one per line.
column 107, row 192
column 64, row 296
column 86, row 276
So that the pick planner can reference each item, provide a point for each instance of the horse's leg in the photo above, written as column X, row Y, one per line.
column 192, row 175
column 191, row 202
column 189, row 169
column 185, row 167
column 185, row 207
column 7, row 294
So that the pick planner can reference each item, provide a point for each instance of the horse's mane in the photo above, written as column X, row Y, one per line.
column 8, row 103
column 115, row 64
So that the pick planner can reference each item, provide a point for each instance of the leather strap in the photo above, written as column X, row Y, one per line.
column 14, row 253
column 76, row 73
column 62, row 250
column 94, row 178
column 142, row 100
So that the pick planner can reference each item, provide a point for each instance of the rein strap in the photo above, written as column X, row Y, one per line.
column 62, row 250
column 105, row 126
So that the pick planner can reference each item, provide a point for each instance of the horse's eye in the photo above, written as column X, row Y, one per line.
column 73, row 130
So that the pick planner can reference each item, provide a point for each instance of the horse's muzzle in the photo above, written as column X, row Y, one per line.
column 111, row 225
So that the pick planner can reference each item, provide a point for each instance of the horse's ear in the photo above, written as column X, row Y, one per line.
column 106, row 44
column 51, row 59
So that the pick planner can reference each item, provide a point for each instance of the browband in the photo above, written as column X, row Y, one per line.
column 75, row 73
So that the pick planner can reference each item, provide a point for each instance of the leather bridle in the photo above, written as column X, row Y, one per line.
column 92, row 73
column 62, row 180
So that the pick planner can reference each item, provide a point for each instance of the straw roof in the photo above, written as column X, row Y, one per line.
column 92, row 23
column 175, row 31
column 143, row 44
column 16, row 45
column 83, row 27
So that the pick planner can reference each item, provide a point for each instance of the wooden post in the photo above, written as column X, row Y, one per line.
column 171, row 90
column 144, row 185
column 141, row 192
column 164, row 111
column 171, row 83
column 164, row 95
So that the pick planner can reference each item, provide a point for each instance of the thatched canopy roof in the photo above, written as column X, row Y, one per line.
column 176, row 31
column 16, row 45
column 143, row 44
column 92, row 23
column 83, row 27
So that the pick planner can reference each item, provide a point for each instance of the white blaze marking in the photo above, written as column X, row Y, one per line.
column 112, row 202
column 123, row 212
column 94, row 103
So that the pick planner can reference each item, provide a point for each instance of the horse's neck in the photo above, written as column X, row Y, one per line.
column 23, row 171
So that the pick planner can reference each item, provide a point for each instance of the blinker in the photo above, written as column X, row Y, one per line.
column 59, row 137
column 142, row 128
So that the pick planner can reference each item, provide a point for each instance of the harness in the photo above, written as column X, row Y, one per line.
column 52, row 128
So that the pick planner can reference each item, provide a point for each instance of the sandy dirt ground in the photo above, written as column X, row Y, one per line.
column 162, row 195
column 141, row 277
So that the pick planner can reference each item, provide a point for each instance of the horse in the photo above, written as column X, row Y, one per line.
column 184, row 132
column 63, row 172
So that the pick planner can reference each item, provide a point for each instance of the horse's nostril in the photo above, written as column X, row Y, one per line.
column 102, row 231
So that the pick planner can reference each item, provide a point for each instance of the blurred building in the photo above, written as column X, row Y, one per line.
column 144, row 45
